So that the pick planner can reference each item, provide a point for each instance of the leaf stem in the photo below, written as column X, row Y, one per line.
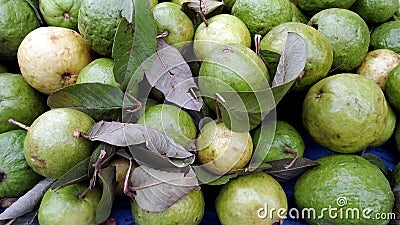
column 218, row 98
column 163, row 34
column 257, row 40
column 294, row 153
column 202, row 13
column 11, row 221
column 126, row 181
column 97, row 168
column 77, row 134
column 16, row 123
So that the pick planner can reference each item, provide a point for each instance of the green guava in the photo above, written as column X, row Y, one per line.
column 231, row 68
column 18, row 101
column 172, row 121
column 99, row 71
column 16, row 177
column 392, row 88
column 285, row 137
column 298, row 15
column 319, row 50
column 314, row 6
column 63, row 206
column 386, row 36
column 189, row 210
column 51, row 58
column 389, row 129
column 345, row 112
column 375, row 11
column 377, row 65
column 395, row 175
column 260, row 16
column 61, row 13
column 221, row 29
column 169, row 17
column 98, row 22
column 248, row 199
column 221, row 150
column 17, row 19
column 50, row 147
column 348, row 34
column 348, row 183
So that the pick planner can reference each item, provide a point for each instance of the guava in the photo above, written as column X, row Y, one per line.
column 314, row 6
column 395, row 175
column 298, row 15
column 17, row 19
column 392, row 88
column 348, row 183
column 319, row 50
column 172, row 121
column 51, row 58
column 249, row 199
column 50, row 147
column 286, row 140
column 18, row 101
column 377, row 65
column 16, row 177
column 189, row 210
column 345, row 112
column 260, row 16
column 386, row 35
column 375, row 11
column 61, row 13
column 62, row 206
column 396, row 135
column 169, row 17
column 231, row 68
column 97, row 23
column 99, row 71
column 348, row 34
column 221, row 29
column 389, row 129
column 221, row 150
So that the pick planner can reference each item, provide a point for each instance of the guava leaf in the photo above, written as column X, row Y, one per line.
column 207, row 6
column 377, row 162
column 134, row 43
column 28, row 218
column 271, row 60
column 35, row 6
column 107, row 178
column 243, row 111
column 283, row 174
column 171, row 75
column 157, row 190
column 127, row 11
column 110, row 152
column 28, row 201
column 76, row 174
column 129, row 134
column 100, row 101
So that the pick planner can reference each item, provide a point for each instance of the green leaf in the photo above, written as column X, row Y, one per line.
column 377, row 162
column 283, row 174
column 129, row 134
column 207, row 6
column 100, row 101
column 35, row 6
column 134, row 43
column 157, row 190
column 243, row 111
column 28, row 201
column 271, row 59
column 107, row 178
column 76, row 174
column 126, row 7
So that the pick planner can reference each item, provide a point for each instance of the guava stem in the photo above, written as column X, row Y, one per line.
column 163, row 34
column 16, row 123
column 11, row 221
column 257, row 40
column 66, row 15
column 287, row 149
column 78, row 133
column 126, row 181
column 202, row 15
column 83, row 194
column 218, row 98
